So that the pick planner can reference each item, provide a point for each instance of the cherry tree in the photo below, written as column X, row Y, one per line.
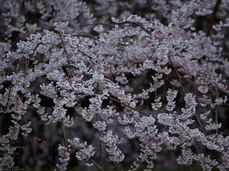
column 114, row 84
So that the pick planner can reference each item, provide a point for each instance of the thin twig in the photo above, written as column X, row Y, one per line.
column 83, row 35
column 35, row 156
column 216, row 108
column 177, row 74
column 65, row 137
column 96, row 164
column 113, row 99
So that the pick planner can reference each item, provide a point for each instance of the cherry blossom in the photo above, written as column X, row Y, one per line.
column 107, row 83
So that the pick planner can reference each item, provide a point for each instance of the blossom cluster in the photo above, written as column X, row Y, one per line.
column 114, row 82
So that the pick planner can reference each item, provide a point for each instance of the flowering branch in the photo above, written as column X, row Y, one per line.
column 129, row 88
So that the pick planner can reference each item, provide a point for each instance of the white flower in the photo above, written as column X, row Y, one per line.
column 26, row 129
column 85, row 153
column 130, row 133
column 99, row 28
column 157, row 104
column 213, row 126
column 100, row 125
column 97, row 77
column 203, row 89
column 64, row 157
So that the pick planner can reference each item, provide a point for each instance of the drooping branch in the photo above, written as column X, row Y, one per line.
column 213, row 17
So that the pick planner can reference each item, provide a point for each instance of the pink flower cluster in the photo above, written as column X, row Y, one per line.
column 112, row 86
